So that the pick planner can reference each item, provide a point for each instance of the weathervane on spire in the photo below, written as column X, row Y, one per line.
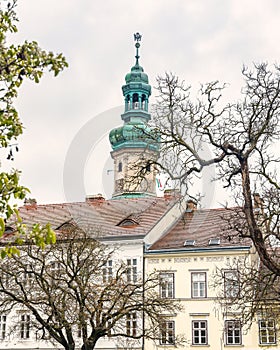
column 137, row 38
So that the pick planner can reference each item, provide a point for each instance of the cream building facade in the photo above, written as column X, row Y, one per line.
column 188, row 259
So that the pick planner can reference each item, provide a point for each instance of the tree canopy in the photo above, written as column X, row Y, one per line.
column 243, row 142
column 80, row 290
column 17, row 64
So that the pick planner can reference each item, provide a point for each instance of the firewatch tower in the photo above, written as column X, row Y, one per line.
column 135, row 144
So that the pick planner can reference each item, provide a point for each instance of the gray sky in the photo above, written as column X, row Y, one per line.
column 200, row 40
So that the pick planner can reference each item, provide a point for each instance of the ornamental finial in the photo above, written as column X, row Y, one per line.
column 137, row 38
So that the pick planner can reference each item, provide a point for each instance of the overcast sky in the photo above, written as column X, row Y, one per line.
column 200, row 40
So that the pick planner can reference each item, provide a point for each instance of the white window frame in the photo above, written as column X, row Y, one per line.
column 199, row 284
column 166, row 285
column 231, row 283
column 233, row 331
column 267, row 330
column 6, row 280
column 55, row 268
column 131, row 324
column 167, row 336
column 25, row 325
column 27, row 275
column 107, row 271
column 199, row 332
column 3, row 326
column 131, row 270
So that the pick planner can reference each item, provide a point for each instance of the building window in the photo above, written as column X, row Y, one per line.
column 231, row 284
column 131, row 271
column 167, row 333
column 107, row 272
column 109, row 328
column 3, row 322
column 233, row 332
column 120, row 167
column 79, row 332
column 199, row 333
column 6, row 280
column 24, row 326
column 166, row 285
column 107, row 322
column 27, row 276
column 131, row 324
column 198, row 284
column 55, row 269
column 267, row 332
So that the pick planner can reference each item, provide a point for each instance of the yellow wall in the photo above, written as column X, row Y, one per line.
column 182, row 264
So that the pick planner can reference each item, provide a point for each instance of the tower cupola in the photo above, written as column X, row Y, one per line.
column 137, row 90
column 135, row 139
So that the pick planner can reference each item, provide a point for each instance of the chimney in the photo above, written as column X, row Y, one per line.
column 30, row 203
column 171, row 193
column 191, row 206
column 95, row 198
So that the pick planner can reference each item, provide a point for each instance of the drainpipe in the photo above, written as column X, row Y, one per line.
column 143, row 297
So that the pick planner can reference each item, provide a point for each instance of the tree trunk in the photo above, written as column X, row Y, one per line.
column 89, row 344
column 254, row 229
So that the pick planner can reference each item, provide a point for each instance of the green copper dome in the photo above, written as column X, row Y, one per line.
column 137, row 75
column 134, row 134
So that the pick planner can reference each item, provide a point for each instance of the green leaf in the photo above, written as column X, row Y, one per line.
column 18, row 63
column 3, row 253
column 2, row 226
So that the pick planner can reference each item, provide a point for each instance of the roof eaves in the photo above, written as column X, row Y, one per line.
column 195, row 250
column 122, row 238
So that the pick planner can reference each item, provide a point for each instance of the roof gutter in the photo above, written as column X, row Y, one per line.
column 195, row 250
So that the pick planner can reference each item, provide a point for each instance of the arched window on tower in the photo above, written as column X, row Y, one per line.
column 143, row 102
column 135, row 101
column 127, row 103
column 120, row 167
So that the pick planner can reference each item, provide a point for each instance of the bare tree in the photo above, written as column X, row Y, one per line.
column 77, row 288
column 242, row 139
column 248, row 289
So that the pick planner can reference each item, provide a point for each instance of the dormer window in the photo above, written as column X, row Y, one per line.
column 9, row 229
column 128, row 223
column 214, row 241
column 189, row 243
column 67, row 226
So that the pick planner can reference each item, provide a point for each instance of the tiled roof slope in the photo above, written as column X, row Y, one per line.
column 101, row 216
column 201, row 226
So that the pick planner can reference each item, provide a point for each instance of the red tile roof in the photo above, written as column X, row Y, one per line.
column 103, row 216
column 201, row 226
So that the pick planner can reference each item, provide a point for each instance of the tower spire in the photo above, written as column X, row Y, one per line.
column 137, row 38
column 135, row 144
